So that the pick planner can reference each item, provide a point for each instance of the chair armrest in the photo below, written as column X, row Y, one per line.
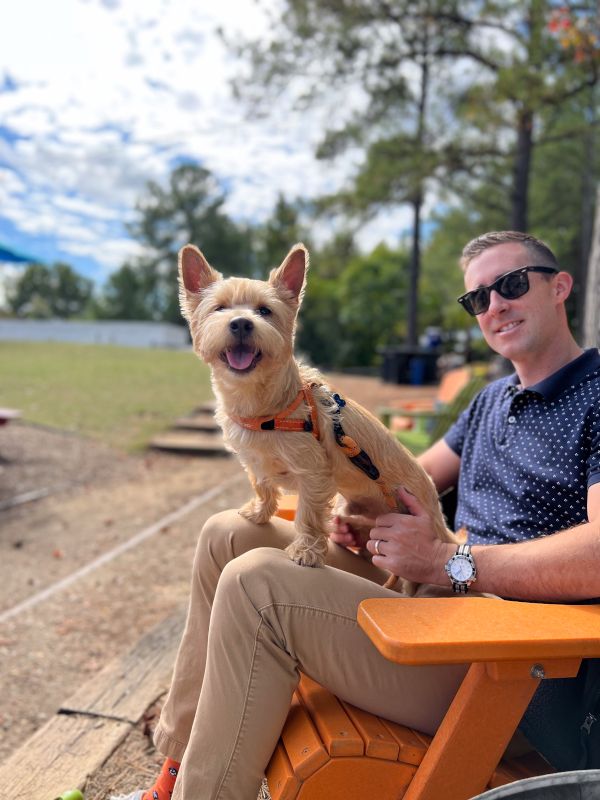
column 387, row 413
column 463, row 630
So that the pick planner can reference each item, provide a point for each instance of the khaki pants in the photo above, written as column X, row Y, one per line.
column 255, row 619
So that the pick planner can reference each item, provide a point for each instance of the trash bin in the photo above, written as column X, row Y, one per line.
column 417, row 367
column 409, row 364
column 577, row 785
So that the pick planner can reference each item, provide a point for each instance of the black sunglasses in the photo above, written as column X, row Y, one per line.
column 509, row 286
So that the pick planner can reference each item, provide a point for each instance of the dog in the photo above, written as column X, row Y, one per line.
column 288, row 428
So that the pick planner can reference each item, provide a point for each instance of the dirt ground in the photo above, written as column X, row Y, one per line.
column 90, row 500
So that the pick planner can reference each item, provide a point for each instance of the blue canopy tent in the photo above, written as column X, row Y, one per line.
column 10, row 256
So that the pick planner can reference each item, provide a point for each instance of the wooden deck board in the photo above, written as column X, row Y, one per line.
column 190, row 442
column 127, row 686
column 198, row 422
column 92, row 723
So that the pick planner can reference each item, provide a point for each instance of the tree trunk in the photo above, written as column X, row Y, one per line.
column 417, row 200
column 415, row 268
column 592, row 292
column 521, row 171
column 587, row 213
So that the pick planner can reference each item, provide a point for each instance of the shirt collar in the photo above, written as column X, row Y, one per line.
column 569, row 375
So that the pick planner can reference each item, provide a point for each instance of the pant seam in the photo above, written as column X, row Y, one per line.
column 327, row 611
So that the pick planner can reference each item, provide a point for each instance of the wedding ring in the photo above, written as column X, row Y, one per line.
column 377, row 543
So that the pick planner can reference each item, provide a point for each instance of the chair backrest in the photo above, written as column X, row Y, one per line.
column 451, row 384
column 451, row 412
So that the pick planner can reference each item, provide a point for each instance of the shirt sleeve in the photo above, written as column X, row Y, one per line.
column 593, row 462
column 456, row 434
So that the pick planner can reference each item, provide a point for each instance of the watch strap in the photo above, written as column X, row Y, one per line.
column 460, row 588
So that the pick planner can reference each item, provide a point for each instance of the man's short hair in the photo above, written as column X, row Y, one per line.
column 541, row 253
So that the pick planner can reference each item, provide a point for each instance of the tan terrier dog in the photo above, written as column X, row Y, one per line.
column 287, row 427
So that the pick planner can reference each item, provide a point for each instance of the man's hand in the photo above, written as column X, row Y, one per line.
column 351, row 524
column 406, row 545
column 351, row 530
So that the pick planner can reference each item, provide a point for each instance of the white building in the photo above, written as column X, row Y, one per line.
column 118, row 332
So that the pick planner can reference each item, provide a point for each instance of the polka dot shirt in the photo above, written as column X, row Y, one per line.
column 528, row 456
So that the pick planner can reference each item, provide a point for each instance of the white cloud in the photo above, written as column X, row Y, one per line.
column 109, row 92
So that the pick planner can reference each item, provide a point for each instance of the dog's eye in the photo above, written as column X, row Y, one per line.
column 264, row 311
column 220, row 308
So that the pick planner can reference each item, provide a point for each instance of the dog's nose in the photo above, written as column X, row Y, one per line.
column 241, row 326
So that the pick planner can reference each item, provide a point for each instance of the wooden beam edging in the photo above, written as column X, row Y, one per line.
column 93, row 722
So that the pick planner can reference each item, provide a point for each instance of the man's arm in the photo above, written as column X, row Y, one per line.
column 562, row 567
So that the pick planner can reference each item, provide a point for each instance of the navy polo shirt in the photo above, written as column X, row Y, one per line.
column 528, row 456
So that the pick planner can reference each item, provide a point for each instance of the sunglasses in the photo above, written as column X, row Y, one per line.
column 509, row 286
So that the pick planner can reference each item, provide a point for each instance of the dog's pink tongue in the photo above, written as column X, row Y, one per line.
column 239, row 359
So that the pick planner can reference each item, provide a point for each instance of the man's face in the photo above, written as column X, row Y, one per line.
column 514, row 328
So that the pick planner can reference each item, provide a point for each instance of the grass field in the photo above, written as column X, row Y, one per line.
column 119, row 395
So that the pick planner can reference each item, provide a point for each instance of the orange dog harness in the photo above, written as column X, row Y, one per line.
column 355, row 453
column 282, row 421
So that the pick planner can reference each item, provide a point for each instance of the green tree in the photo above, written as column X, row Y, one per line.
column 188, row 209
column 125, row 295
column 373, row 295
column 391, row 54
column 282, row 230
column 320, row 334
column 526, row 80
column 426, row 122
column 44, row 291
column 320, row 337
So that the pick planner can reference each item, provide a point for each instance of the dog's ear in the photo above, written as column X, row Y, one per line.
column 291, row 275
column 195, row 274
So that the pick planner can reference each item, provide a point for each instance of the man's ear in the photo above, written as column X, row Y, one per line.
column 195, row 274
column 291, row 275
column 563, row 284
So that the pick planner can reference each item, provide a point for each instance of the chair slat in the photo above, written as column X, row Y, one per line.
column 335, row 727
column 359, row 778
column 283, row 783
column 379, row 742
column 411, row 747
column 302, row 744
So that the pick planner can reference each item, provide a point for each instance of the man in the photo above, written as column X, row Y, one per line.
column 526, row 456
column 538, row 406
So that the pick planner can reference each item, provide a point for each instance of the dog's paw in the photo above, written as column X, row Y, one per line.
column 306, row 556
column 255, row 512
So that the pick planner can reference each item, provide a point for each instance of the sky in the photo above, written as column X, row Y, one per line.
column 97, row 97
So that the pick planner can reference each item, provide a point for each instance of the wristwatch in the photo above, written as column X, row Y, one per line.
column 461, row 569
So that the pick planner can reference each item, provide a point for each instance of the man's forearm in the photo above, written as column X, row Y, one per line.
column 558, row 568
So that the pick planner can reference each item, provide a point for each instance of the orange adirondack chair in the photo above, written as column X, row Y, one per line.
column 451, row 383
column 329, row 750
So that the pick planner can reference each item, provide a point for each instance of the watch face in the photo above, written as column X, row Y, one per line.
column 461, row 569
